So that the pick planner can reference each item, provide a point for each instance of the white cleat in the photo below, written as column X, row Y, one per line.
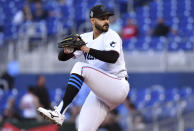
column 54, row 116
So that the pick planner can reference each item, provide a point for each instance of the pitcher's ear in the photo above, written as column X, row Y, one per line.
column 92, row 20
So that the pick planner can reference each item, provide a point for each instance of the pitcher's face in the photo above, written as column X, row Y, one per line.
column 102, row 23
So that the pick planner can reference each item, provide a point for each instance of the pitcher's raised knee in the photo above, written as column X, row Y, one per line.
column 77, row 68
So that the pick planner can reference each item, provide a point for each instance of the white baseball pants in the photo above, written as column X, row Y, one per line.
column 107, row 92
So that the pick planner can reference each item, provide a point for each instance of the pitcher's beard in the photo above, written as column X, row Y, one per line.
column 103, row 28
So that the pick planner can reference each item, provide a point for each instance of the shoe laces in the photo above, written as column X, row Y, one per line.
column 56, row 110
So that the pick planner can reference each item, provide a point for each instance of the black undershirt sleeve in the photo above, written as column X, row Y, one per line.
column 64, row 57
column 106, row 56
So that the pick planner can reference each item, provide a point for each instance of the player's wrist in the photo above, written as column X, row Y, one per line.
column 85, row 49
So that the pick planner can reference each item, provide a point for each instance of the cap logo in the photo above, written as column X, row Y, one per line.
column 91, row 14
column 103, row 8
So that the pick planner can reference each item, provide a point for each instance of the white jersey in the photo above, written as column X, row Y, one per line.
column 107, row 41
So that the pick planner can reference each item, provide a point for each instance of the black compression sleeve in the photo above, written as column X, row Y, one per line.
column 106, row 56
column 64, row 57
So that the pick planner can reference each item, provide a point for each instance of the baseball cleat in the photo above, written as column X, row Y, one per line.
column 53, row 116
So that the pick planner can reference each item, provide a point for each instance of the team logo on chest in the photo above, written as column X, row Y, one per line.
column 112, row 44
column 88, row 56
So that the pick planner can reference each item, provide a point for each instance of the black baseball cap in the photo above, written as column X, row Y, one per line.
column 100, row 11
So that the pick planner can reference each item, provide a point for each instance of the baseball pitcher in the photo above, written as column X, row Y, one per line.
column 104, row 73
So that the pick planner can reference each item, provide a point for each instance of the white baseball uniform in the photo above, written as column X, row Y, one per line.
column 107, row 82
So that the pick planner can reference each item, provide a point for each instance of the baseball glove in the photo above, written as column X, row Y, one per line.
column 72, row 41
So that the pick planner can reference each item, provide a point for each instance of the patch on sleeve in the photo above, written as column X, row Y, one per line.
column 112, row 44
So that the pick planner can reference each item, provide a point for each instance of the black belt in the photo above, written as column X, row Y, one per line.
column 126, row 78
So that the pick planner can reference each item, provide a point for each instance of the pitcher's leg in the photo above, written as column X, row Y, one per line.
column 92, row 114
column 108, row 88
column 57, row 115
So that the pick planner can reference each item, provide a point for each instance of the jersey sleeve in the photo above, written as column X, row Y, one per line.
column 113, row 42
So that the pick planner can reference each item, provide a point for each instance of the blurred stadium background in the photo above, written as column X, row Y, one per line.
column 161, row 68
